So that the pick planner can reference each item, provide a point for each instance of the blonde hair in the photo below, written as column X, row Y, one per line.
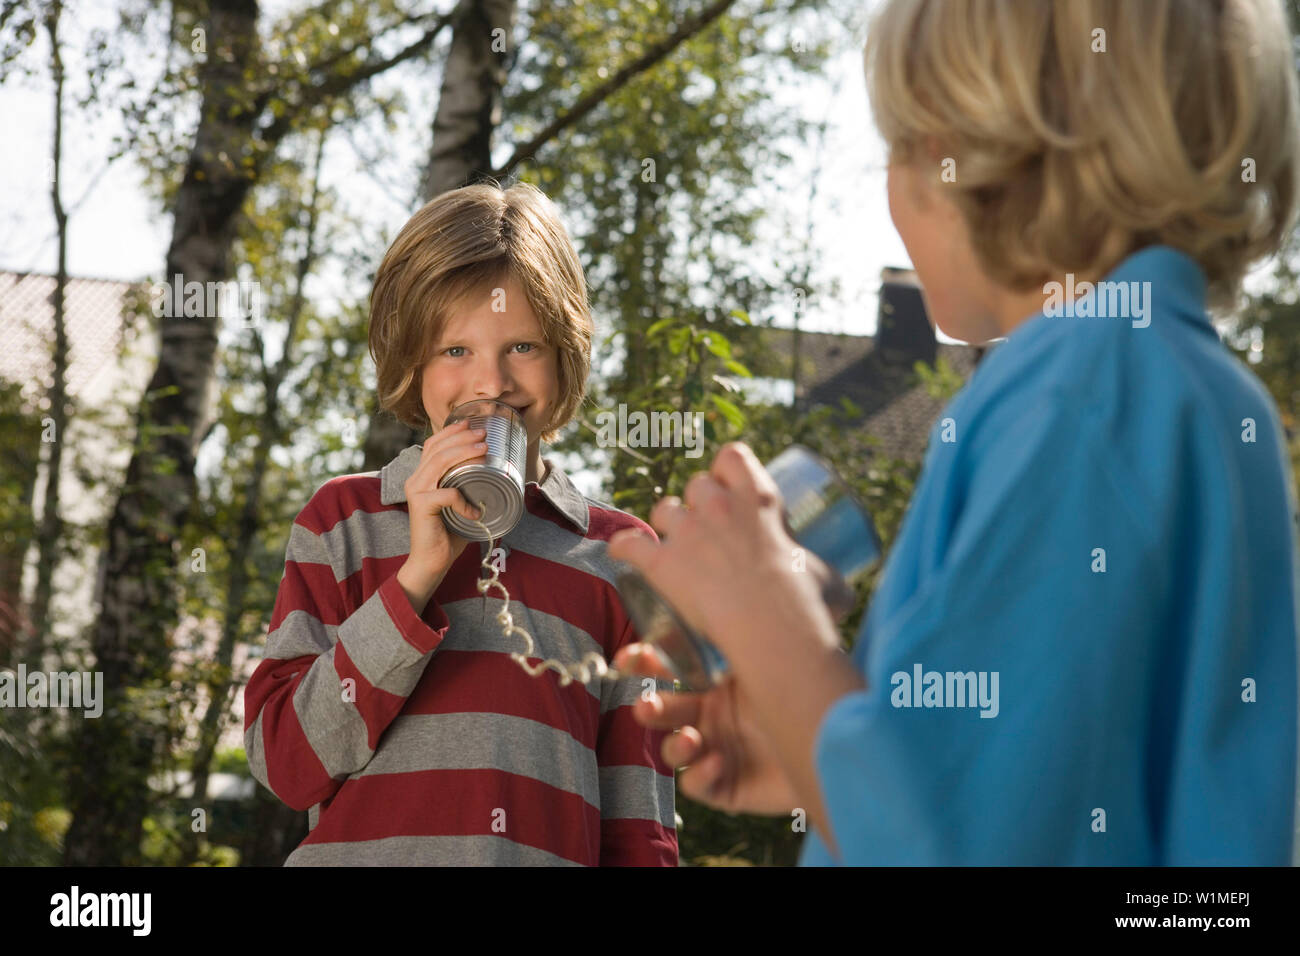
column 462, row 244
column 1083, row 130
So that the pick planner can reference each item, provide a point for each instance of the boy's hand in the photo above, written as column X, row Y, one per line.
column 733, row 766
column 434, row 548
column 723, row 562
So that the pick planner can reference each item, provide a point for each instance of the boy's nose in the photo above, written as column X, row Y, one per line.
column 492, row 381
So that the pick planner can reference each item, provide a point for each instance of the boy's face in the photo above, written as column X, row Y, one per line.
column 957, row 293
column 493, row 347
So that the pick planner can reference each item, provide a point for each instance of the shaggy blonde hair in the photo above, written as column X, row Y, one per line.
column 458, row 246
column 1083, row 130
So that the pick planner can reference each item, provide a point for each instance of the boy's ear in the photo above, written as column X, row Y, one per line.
column 931, row 148
column 917, row 181
column 940, row 166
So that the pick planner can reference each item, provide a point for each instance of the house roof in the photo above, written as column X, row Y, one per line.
column 876, row 372
column 93, row 316
column 897, row 408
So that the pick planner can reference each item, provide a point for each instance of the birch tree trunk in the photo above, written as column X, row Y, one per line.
column 50, row 532
column 469, row 111
column 132, row 639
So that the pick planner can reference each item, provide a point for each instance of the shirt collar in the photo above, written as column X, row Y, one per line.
column 1175, row 277
column 1171, row 277
column 556, row 487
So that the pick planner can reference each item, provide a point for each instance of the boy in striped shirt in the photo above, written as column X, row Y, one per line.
column 388, row 705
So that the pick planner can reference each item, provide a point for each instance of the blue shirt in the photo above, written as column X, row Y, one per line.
column 1082, row 649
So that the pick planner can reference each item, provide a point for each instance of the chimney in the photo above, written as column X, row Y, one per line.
column 904, row 335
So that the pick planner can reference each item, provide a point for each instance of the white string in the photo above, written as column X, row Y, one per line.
column 582, row 671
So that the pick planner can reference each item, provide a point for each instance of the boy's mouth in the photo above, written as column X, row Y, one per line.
column 519, row 408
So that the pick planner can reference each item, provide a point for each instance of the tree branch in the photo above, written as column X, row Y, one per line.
column 659, row 51
column 336, row 84
column 341, row 54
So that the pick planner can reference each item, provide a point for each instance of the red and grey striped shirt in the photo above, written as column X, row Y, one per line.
column 414, row 739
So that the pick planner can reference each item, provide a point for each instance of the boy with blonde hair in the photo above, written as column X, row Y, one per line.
column 388, row 704
column 1101, row 541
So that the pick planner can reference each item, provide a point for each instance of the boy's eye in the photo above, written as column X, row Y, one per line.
column 455, row 351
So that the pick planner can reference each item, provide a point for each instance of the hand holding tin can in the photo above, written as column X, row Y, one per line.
column 821, row 514
column 497, row 481
column 433, row 546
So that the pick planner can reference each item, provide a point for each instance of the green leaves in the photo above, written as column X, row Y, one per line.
column 942, row 381
column 692, row 341
column 717, row 345
column 733, row 414
column 679, row 338
column 658, row 327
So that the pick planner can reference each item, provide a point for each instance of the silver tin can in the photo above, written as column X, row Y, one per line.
column 496, row 481
column 821, row 514
column 824, row 515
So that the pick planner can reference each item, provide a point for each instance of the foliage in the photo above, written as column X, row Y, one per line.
column 667, row 249
column 31, row 829
column 1267, row 338
column 942, row 381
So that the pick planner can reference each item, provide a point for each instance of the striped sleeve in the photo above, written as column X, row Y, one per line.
column 333, row 678
column 637, row 789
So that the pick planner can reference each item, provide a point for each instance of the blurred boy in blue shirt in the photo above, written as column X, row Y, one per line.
column 1082, row 649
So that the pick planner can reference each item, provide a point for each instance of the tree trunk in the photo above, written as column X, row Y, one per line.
column 469, row 110
column 50, row 533
column 270, row 435
column 469, row 102
column 116, row 754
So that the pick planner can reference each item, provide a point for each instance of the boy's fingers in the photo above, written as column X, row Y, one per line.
column 668, row 711
column 435, row 502
column 643, row 659
column 682, row 747
column 738, row 468
column 437, row 438
column 466, row 508
column 442, row 441
column 668, row 512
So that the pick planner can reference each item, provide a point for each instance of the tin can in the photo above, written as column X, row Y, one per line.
column 496, row 481
column 821, row 514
